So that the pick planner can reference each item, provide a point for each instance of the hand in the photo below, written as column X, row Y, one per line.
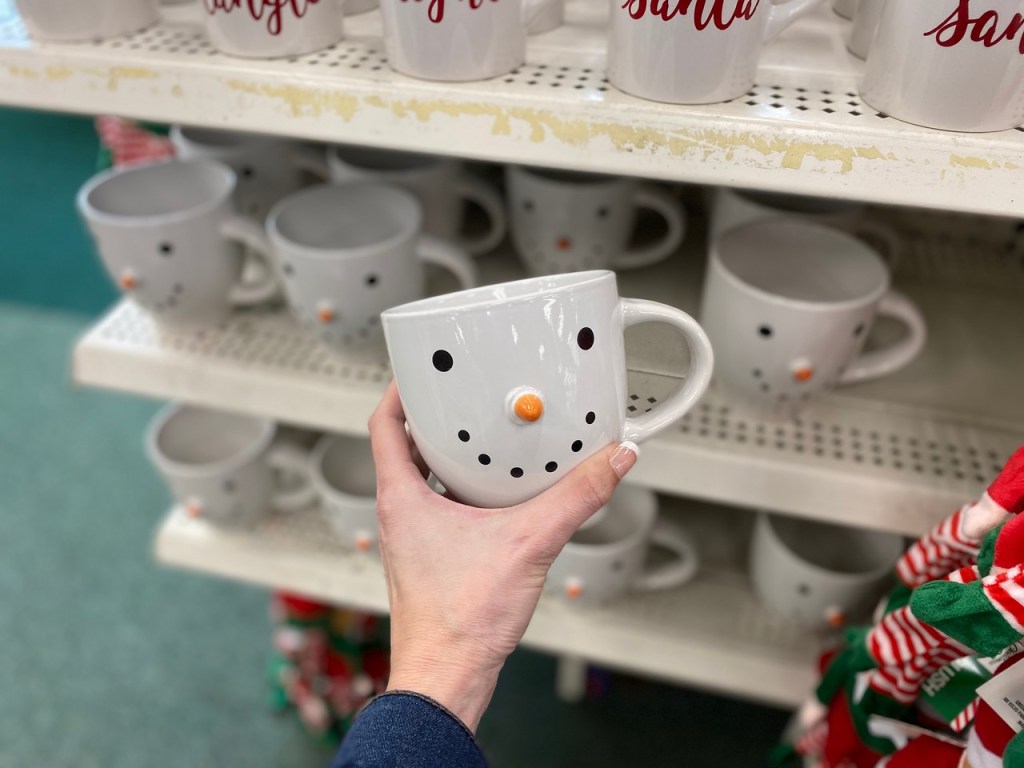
column 463, row 582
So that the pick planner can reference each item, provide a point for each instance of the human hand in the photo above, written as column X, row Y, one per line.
column 463, row 582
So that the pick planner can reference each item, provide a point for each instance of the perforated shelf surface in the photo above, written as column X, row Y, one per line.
column 801, row 128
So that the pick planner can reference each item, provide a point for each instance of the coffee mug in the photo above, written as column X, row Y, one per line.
column 506, row 388
column 731, row 208
column 817, row 574
column 62, row 21
column 168, row 236
column 268, row 29
column 442, row 185
column 220, row 466
column 569, row 222
column 684, row 53
column 342, row 472
column 605, row 561
column 788, row 306
column 846, row 8
column 949, row 64
column 865, row 23
column 457, row 41
column 346, row 253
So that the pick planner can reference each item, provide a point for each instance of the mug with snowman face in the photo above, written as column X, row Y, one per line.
column 342, row 472
column 788, row 306
column 506, row 388
column 169, row 237
column 569, row 222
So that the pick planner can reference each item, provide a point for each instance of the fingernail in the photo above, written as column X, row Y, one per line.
column 624, row 458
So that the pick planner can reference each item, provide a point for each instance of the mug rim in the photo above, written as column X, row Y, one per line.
column 92, row 213
column 489, row 296
column 230, row 463
column 643, row 499
column 427, row 163
column 240, row 140
column 324, row 487
column 542, row 176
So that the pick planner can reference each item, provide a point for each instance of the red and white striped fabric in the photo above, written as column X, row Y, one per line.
column 965, row 718
column 946, row 548
column 129, row 144
column 1006, row 593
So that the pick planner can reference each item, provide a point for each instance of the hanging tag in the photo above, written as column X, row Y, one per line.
column 953, row 690
column 1005, row 694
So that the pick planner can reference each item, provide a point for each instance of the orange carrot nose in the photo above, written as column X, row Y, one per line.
column 363, row 542
column 194, row 509
column 803, row 374
column 563, row 243
column 573, row 589
column 529, row 407
column 325, row 314
column 835, row 618
column 128, row 281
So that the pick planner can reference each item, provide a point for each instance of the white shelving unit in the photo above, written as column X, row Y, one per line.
column 802, row 128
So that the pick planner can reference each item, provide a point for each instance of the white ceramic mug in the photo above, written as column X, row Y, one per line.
column 731, row 208
column 865, row 23
column 693, row 53
column 845, row 8
column 442, row 185
column 569, row 222
column 220, row 466
column 603, row 562
column 817, row 574
column 508, row 387
column 788, row 306
column 949, row 64
column 346, row 253
column 342, row 472
column 65, row 21
column 169, row 237
column 269, row 29
column 457, row 40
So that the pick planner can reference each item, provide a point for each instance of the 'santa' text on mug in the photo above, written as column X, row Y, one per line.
column 435, row 9
column 271, row 10
column 985, row 28
column 720, row 13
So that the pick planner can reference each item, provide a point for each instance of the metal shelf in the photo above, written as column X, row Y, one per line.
column 802, row 128
column 711, row 633
column 896, row 454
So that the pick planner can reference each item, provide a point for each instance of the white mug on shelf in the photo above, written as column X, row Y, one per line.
column 64, row 21
column 342, row 472
column 605, row 561
column 788, row 306
column 507, row 387
column 169, row 237
column 220, row 466
column 345, row 253
column 669, row 52
column 949, row 64
column 457, row 40
column 817, row 574
column 846, row 8
column 569, row 222
column 442, row 185
column 865, row 23
column 268, row 30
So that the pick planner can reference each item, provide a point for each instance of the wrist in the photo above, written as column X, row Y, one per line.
column 463, row 687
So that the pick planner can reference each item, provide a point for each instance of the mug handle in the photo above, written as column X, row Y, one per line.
column 533, row 8
column 781, row 16
column 662, row 203
column 474, row 190
column 434, row 250
column 312, row 160
column 885, row 361
column 675, row 538
column 248, row 232
column 290, row 459
column 702, row 361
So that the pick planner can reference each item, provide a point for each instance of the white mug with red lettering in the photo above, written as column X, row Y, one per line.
column 458, row 40
column 957, row 65
column 268, row 29
column 86, row 19
column 684, row 52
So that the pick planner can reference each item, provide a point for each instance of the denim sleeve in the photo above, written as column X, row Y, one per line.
column 408, row 730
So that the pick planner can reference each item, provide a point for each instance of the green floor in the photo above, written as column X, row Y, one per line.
column 108, row 660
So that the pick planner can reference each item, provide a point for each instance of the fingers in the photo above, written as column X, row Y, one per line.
column 391, row 444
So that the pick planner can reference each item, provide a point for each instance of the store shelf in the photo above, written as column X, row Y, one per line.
column 896, row 454
column 712, row 633
column 803, row 128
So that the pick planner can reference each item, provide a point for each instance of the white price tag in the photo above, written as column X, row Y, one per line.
column 1005, row 694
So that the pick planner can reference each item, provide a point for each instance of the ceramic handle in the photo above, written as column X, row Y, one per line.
column 664, row 204
column 250, row 234
column 434, row 250
column 474, row 190
column 884, row 361
column 291, row 460
column 312, row 160
column 681, row 570
column 781, row 16
column 702, row 360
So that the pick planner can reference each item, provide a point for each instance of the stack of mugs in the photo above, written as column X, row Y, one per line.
column 946, row 64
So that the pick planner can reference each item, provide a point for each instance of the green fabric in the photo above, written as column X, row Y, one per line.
column 843, row 668
column 987, row 555
column 1013, row 757
column 964, row 613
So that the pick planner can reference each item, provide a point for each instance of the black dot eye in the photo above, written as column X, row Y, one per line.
column 516, row 472
column 443, row 361
column 484, row 459
column 585, row 338
column 858, row 330
column 757, row 373
column 590, row 417
column 765, row 331
column 804, row 589
column 602, row 212
column 617, row 566
column 528, row 206
column 551, row 466
column 371, row 280
column 577, row 446
column 179, row 288
column 248, row 171
column 288, row 269
column 463, row 435
column 229, row 486
column 166, row 249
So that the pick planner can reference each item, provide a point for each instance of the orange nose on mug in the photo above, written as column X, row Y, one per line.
column 529, row 407
column 803, row 374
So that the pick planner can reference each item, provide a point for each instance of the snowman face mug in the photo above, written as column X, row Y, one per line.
column 506, row 388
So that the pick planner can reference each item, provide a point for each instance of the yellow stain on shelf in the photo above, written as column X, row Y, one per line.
column 59, row 72
column 176, row 90
column 980, row 163
column 303, row 101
